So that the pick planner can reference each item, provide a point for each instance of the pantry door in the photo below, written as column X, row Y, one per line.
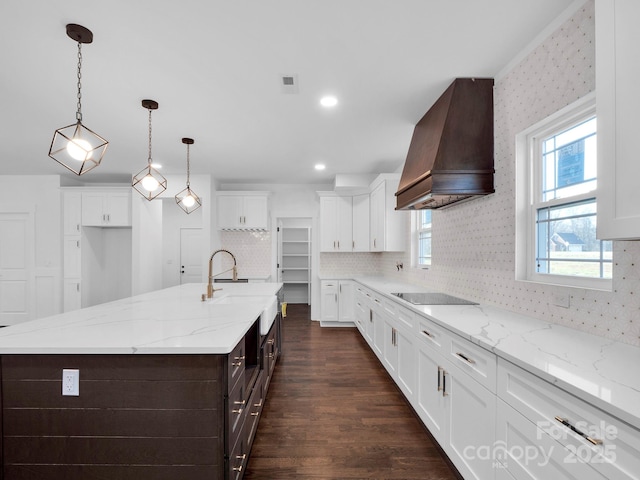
column 190, row 255
column 16, row 266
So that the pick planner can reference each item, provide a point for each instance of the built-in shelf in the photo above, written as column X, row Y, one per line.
column 295, row 263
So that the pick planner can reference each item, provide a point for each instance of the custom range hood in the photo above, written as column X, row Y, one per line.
column 450, row 158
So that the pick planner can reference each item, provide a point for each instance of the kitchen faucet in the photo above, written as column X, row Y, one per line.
column 234, row 269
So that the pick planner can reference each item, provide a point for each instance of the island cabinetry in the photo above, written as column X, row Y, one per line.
column 617, row 68
column 243, row 210
column 106, row 208
column 564, row 436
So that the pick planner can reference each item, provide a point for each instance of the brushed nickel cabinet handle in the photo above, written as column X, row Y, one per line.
column 238, row 410
column 566, row 423
column 439, row 381
column 427, row 333
column 444, row 383
column 243, row 402
column 465, row 358
column 255, row 414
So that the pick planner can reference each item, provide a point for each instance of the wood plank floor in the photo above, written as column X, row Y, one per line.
column 332, row 412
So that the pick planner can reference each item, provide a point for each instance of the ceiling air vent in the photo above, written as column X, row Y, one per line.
column 289, row 83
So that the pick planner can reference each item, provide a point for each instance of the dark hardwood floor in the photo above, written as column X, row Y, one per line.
column 332, row 412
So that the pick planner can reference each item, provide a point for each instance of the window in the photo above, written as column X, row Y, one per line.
column 558, row 157
column 423, row 231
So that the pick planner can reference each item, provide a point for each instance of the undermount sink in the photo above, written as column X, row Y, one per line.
column 269, row 302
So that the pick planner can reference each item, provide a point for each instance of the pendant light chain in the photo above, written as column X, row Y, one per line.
column 149, row 159
column 79, row 112
column 188, row 168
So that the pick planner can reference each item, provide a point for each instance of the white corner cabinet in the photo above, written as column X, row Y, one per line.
column 493, row 419
column 388, row 226
column 337, row 301
column 106, row 208
column 617, row 71
column 243, row 210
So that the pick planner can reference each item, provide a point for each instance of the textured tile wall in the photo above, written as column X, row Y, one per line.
column 252, row 251
column 474, row 243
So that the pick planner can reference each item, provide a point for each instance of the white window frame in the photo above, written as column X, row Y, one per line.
column 528, row 178
column 417, row 230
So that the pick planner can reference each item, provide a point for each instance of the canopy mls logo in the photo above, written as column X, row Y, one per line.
column 594, row 445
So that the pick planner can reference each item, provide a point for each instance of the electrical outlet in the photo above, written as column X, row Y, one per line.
column 71, row 382
column 560, row 299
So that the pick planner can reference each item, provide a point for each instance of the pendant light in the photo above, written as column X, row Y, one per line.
column 187, row 199
column 149, row 182
column 76, row 147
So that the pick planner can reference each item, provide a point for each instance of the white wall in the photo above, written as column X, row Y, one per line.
column 42, row 192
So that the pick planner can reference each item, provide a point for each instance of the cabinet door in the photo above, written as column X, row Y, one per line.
column 617, row 71
column 378, row 332
column 390, row 348
column 377, row 219
column 471, row 421
column 360, row 223
column 72, row 257
column 430, row 402
column 329, row 300
column 406, row 380
column 255, row 214
column 346, row 303
column 344, row 224
column 72, row 294
column 72, row 214
column 118, row 209
column 93, row 209
column 328, row 224
column 229, row 212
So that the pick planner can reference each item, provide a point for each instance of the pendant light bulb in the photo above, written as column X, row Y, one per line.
column 79, row 149
column 149, row 183
column 189, row 201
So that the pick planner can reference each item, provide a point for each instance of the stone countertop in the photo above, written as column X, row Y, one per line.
column 598, row 370
column 169, row 321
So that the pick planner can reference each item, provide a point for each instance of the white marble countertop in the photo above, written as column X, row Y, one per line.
column 169, row 321
column 600, row 371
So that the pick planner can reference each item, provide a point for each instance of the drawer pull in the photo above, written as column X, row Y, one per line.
column 565, row 422
column 470, row 361
column 439, row 381
column 258, row 404
column 239, row 361
column 271, row 356
column 271, row 341
column 427, row 334
column 243, row 402
column 255, row 414
column 444, row 383
column 237, row 410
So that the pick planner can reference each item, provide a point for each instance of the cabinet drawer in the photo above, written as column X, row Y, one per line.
column 390, row 307
column 609, row 445
column 236, row 365
column 254, row 409
column 406, row 317
column 477, row 362
column 433, row 336
column 236, row 411
column 238, row 459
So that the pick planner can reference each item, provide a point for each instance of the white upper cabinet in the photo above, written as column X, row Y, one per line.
column 106, row 208
column 336, row 224
column 360, row 223
column 618, row 104
column 243, row 211
column 388, row 226
column 72, row 214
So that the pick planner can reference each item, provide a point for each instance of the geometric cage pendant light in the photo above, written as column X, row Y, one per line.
column 149, row 182
column 187, row 199
column 75, row 146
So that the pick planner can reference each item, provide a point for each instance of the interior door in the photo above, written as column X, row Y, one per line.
column 16, row 267
column 190, row 255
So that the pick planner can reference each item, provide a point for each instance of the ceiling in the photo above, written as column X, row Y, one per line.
column 215, row 67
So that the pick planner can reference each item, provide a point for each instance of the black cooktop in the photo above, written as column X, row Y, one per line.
column 432, row 298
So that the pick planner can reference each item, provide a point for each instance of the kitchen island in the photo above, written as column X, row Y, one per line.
column 170, row 387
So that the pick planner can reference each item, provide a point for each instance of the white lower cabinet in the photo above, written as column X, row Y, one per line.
column 580, row 440
column 337, row 301
column 458, row 411
column 329, row 301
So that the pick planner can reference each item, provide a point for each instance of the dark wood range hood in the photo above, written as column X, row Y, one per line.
column 450, row 157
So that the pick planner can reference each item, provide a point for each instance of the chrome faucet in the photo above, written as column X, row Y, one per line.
column 233, row 269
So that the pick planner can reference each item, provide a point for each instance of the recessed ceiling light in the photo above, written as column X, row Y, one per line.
column 320, row 166
column 328, row 101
